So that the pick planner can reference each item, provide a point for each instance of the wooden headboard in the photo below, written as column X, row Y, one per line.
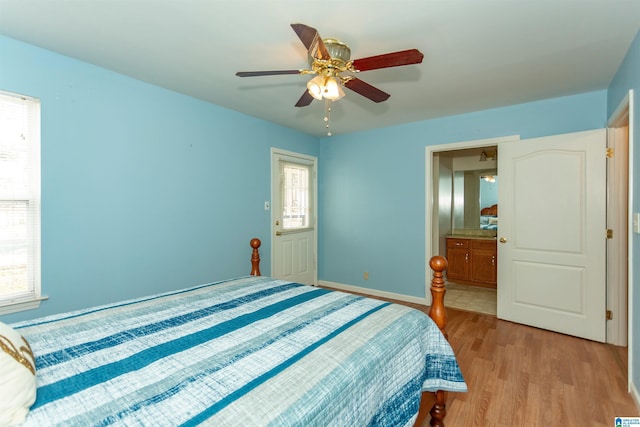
column 490, row 211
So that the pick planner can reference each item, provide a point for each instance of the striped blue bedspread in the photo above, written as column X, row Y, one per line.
column 252, row 351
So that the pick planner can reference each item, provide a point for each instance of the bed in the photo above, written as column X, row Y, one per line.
column 489, row 218
column 248, row 351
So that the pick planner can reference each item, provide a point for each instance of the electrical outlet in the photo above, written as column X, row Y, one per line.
column 267, row 205
column 636, row 223
column 366, row 275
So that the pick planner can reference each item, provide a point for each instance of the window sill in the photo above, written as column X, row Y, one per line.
column 21, row 305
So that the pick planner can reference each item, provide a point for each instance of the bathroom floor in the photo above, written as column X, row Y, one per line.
column 471, row 298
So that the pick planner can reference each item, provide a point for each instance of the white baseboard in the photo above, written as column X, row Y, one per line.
column 373, row 292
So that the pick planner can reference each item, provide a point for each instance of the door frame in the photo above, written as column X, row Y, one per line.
column 624, row 115
column 431, row 226
column 276, row 155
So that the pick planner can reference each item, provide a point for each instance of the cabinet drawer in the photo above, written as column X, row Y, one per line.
column 487, row 245
column 458, row 243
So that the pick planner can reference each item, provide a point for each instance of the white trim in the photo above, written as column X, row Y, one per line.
column 429, row 151
column 625, row 113
column 617, row 219
column 373, row 292
column 631, row 357
column 22, row 305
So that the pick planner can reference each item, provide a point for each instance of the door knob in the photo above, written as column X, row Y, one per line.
column 278, row 233
column 503, row 240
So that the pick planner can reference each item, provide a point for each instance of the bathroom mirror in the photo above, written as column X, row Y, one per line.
column 472, row 191
column 488, row 199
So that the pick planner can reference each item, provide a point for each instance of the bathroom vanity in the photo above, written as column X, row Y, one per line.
column 472, row 260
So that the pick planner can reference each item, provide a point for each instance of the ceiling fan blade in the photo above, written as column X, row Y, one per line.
column 366, row 90
column 305, row 99
column 394, row 59
column 312, row 41
column 265, row 73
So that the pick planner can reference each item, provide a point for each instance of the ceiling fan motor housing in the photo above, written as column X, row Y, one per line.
column 340, row 54
column 337, row 49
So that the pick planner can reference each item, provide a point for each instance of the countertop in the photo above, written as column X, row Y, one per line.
column 467, row 236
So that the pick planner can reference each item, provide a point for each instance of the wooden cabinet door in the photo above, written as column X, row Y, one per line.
column 483, row 265
column 484, row 260
column 458, row 263
column 458, row 259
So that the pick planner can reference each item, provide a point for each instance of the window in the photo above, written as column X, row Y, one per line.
column 295, row 195
column 19, row 203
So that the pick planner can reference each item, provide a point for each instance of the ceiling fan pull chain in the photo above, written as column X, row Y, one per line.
column 327, row 115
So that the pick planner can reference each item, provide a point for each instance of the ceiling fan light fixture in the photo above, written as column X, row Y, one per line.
column 325, row 87
column 332, row 89
column 315, row 86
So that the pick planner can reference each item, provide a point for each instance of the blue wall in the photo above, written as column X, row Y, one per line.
column 628, row 77
column 143, row 189
column 372, row 187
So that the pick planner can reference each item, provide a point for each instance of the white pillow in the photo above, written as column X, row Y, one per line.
column 17, row 377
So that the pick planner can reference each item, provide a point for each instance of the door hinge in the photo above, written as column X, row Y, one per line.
column 609, row 315
column 609, row 152
column 609, row 233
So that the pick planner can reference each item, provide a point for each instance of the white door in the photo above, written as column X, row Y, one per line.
column 293, row 196
column 551, row 247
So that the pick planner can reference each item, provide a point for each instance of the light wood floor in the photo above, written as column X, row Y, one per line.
column 523, row 376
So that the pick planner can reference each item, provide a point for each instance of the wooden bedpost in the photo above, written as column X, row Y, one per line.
column 439, row 315
column 255, row 257
column 437, row 311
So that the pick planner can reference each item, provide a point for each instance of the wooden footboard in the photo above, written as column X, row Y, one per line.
column 439, row 315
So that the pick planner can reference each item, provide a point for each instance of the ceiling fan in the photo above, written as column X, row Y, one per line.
column 329, row 59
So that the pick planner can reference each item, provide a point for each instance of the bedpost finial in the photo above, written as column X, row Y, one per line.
column 255, row 243
column 438, row 263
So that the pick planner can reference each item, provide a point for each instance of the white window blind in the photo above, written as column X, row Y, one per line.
column 19, row 202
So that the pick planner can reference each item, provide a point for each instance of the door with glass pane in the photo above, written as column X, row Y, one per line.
column 293, row 217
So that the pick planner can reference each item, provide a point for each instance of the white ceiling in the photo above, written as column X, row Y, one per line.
column 479, row 54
